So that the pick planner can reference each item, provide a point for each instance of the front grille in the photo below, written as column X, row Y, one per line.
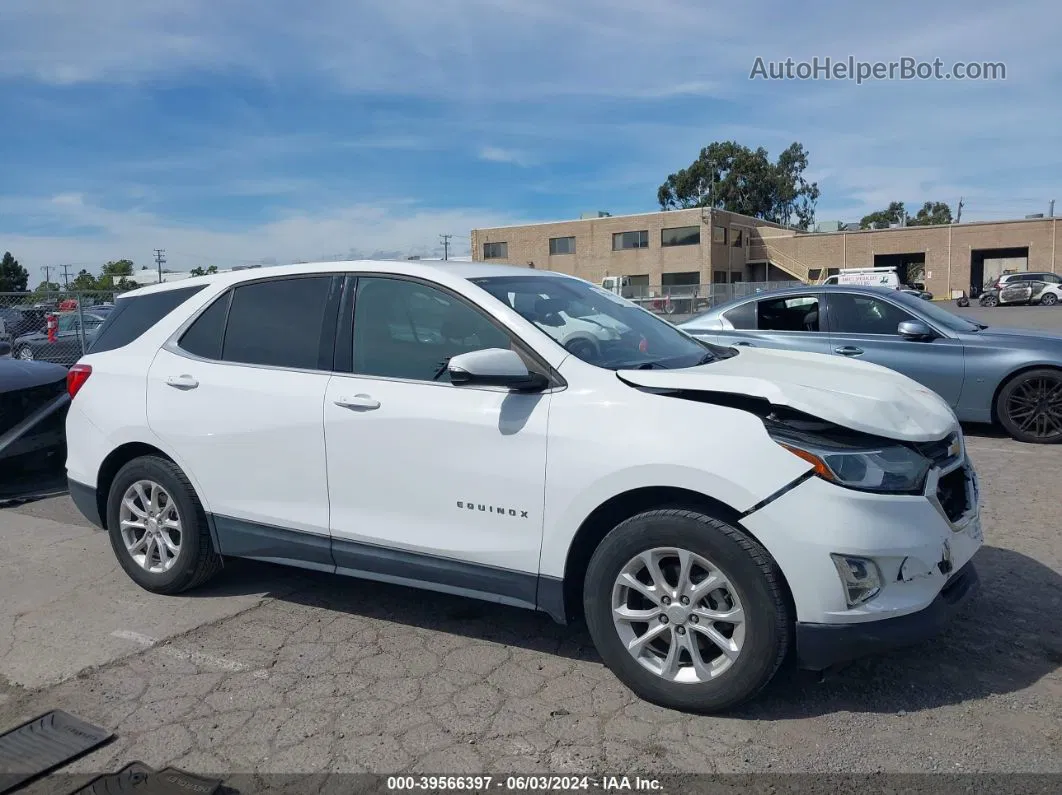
column 953, row 495
column 938, row 451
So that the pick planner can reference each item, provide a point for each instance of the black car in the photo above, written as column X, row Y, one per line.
column 16, row 321
column 33, row 397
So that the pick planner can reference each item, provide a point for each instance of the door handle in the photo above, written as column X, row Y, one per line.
column 749, row 344
column 849, row 350
column 182, row 382
column 364, row 402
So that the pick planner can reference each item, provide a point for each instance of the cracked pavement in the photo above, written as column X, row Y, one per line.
column 274, row 670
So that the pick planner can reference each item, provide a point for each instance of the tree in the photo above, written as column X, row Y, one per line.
column 932, row 214
column 113, row 276
column 84, row 282
column 198, row 270
column 13, row 277
column 891, row 215
column 729, row 176
column 48, row 287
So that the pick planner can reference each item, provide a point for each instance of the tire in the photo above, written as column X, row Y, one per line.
column 1039, row 392
column 25, row 353
column 990, row 301
column 964, row 301
column 1049, row 299
column 752, row 577
column 196, row 560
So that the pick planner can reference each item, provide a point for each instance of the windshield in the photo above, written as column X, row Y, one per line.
column 937, row 314
column 599, row 327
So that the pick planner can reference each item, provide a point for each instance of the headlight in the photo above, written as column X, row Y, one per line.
column 883, row 468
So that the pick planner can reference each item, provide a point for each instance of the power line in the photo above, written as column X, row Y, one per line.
column 160, row 260
column 445, row 239
column 66, row 276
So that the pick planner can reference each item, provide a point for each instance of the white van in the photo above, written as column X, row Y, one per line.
column 867, row 277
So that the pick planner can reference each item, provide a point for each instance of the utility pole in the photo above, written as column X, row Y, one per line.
column 66, row 276
column 1051, row 212
column 958, row 211
column 47, row 273
column 160, row 260
column 445, row 239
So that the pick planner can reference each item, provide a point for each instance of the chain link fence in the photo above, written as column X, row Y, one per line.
column 681, row 302
column 51, row 326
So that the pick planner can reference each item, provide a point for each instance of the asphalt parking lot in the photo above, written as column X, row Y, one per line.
column 275, row 670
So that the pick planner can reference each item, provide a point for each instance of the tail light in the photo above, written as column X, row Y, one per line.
column 76, row 378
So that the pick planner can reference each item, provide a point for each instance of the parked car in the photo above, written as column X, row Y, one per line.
column 1005, row 375
column 33, row 404
column 706, row 509
column 925, row 295
column 1022, row 287
column 15, row 321
column 67, row 347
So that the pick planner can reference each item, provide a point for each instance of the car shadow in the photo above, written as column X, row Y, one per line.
column 984, row 430
column 998, row 644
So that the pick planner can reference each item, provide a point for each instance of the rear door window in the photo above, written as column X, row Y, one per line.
column 791, row 313
column 133, row 316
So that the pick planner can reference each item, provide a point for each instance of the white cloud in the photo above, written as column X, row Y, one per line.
column 395, row 229
column 496, row 154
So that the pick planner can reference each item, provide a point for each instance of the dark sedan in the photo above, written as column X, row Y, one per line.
column 987, row 374
column 33, row 403
column 67, row 347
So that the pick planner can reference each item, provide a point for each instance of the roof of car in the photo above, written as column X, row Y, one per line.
column 464, row 270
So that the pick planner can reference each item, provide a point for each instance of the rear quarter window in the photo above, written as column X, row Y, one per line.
column 131, row 317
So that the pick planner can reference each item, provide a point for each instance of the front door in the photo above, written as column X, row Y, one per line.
column 865, row 327
column 430, row 483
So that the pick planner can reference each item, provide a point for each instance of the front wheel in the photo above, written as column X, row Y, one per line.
column 25, row 353
column 158, row 529
column 1029, row 406
column 687, row 610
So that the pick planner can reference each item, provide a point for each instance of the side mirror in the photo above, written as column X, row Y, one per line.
column 495, row 367
column 914, row 330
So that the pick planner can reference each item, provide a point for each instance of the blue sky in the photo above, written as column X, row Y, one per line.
column 232, row 131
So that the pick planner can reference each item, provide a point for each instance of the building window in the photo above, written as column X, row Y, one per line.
column 680, row 236
column 625, row 240
column 737, row 239
column 719, row 234
column 495, row 250
column 561, row 245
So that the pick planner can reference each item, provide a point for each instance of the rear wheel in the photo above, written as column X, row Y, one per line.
column 989, row 300
column 25, row 353
column 158, row 529
column 687, row 610
column 1049, row 299
column 1029, row 406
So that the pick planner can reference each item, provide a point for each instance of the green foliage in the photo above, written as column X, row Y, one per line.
column 13, row 277
column 893, row 214
column 198, row 270
column 729, row 176
column 48, row 287
column 932, row 214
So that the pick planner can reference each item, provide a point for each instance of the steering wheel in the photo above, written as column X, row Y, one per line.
column 582, row 348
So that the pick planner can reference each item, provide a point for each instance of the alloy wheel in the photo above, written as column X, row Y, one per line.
column 25, row 353
column 150, row 526
column 678, row 615
column 1035, row 407
column 1050, row 299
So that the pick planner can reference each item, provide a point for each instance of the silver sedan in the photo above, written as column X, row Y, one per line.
column 988, row 374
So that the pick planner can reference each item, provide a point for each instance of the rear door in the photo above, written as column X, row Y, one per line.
column 864, row 327
column 792, row 322
column 238, row 397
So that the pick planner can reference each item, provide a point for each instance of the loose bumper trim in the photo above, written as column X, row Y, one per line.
column 84, row 498
column 820, row 646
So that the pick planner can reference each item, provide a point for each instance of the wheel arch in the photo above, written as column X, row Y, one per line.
column 620, row 507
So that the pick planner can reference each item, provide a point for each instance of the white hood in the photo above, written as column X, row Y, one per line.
column 858, row 395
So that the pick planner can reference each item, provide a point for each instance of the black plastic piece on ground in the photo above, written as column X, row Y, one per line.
column 129, row 779
column 138, row 778
column 43, row 744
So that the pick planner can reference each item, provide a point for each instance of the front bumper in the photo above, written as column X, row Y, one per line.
column 820, row 646
column 919, row 544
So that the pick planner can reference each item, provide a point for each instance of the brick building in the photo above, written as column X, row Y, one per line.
column 682, row 248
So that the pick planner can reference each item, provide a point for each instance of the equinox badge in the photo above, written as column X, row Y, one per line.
column 479, row 506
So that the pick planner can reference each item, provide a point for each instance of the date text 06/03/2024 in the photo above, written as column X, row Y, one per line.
column 521, row 783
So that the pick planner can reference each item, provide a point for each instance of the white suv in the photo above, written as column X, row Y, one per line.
column 705, row 509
